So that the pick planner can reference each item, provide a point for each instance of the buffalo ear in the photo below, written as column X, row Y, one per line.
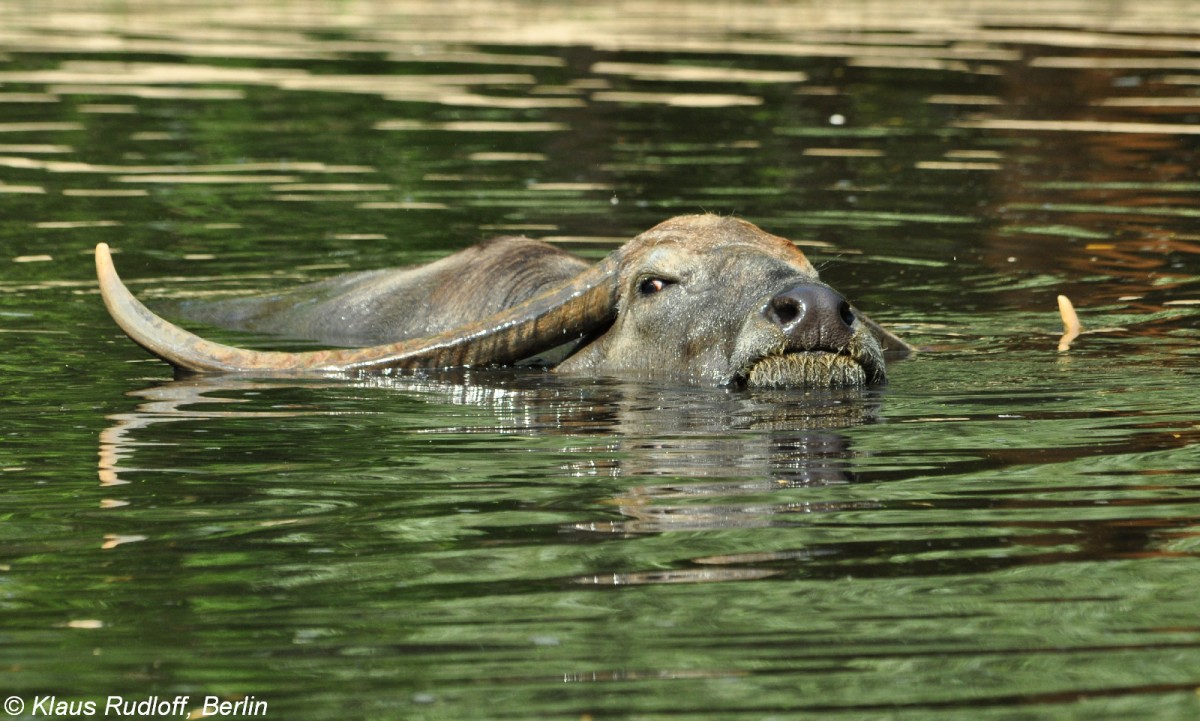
column 888, row 341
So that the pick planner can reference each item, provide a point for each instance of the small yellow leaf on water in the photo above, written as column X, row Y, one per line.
column 33, row 258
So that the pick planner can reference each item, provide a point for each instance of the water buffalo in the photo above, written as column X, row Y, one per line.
column 703, row 299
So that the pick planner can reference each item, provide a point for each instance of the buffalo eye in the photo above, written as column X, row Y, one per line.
column 650, row 286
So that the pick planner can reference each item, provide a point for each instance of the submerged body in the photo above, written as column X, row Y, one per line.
column 702, row 298
column 375, row 307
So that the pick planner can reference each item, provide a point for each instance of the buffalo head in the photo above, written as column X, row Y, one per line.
column 699, row 298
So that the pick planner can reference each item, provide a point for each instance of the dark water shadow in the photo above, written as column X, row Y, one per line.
column 702, row 459
column 790, row 437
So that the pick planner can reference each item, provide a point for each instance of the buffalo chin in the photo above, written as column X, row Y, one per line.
column 810, row 369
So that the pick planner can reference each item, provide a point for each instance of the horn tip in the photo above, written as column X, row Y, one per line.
column 103, row 256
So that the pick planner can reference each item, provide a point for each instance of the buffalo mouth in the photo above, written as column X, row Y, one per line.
column 810, row 369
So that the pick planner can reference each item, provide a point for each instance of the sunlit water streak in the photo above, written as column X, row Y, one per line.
column 1006, row 531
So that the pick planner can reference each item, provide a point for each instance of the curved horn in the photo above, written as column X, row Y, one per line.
column 557, row 316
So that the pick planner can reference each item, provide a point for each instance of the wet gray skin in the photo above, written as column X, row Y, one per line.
column 703, row 298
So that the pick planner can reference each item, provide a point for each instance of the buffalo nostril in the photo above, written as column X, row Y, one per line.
column 784, row 310
column 812, row 316
column 847, row 313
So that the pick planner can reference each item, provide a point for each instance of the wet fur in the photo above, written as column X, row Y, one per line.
column 706, row 319
column 382, row 306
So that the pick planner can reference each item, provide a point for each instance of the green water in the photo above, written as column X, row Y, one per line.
column 1006, row 531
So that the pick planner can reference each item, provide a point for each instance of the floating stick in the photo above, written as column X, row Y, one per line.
column 1071, row 326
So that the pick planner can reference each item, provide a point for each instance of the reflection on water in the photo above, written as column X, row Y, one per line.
column 174, row 401
column 1006, row 531
column 778, row 434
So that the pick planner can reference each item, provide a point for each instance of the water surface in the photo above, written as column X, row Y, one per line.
column 1006, row 531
